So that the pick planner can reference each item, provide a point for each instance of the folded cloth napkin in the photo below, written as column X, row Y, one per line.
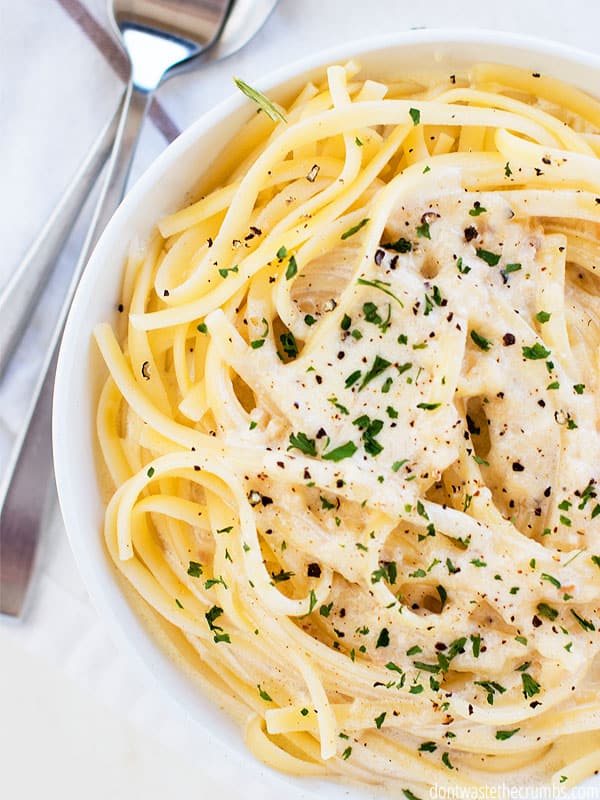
column 62, row 77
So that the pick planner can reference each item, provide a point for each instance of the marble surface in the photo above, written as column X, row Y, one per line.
column 77, row 718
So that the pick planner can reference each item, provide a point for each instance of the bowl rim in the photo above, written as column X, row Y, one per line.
column 105, row 595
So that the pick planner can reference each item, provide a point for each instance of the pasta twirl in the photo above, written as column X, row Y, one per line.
column 352, row 431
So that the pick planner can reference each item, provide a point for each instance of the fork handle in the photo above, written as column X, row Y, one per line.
column 25, row 285
column 30, row 471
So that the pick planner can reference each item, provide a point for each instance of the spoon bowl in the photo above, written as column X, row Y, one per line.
column 159, row 37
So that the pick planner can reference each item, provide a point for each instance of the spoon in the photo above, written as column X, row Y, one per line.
column 158, row 46
column 23, row 289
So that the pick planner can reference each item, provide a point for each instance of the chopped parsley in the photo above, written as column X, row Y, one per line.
column 503, row 735
column 530, row 686
column 535, row 352
column 264, row 695
column 352, row 378
column 546, row 611
column 388, row 571
column 289, row 344
column 550, row 579
column 543, row 316
column 282, row 575
column 342, row 409
column 383, row 286
column 480, row 341
column 491, row 687
column 428, row 406
column 491, row 259
column 585, row 623
column 354, row 229
column 464, row 270
column 225, row 272
column 415, row 115
column 194, row 569
column 292, row 268
column 402, row 245
column 339, row 453
column 325, row 610
column 383, row 639
column 423, row 231
column 446, row 761
column 211, row 615
column 300, row 441
column 379, row 366
column 477, row 209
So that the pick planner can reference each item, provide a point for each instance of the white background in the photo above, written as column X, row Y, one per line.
column 76, row 718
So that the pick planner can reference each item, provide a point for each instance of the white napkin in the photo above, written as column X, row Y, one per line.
column 58, row 89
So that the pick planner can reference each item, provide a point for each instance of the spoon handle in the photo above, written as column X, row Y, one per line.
column 25, row 285
column 27, row 480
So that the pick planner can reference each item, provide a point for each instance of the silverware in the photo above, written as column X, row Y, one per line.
column 23, row 493
column 22, row 291
column 158, row 38
column 24, row 287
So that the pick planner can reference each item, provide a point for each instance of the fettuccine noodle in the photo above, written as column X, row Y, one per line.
column 351, row 430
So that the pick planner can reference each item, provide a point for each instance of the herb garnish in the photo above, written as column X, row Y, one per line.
column 503, row 735
column 480, row 341
column 343, row 451
column 491, row 259
column 491, row 687
column 402, row 245
column 423, row 231
column 300, row 441
column 379, row 366
column 477, row 209
column 292, row 268
column 546, row 611
column 535, row 352
column 585, row 623
column 264, row 695
column 225, row 272
column 261, row 100
column 415, row 115
column 289, row 344
column 382, row 286
column 354, row 229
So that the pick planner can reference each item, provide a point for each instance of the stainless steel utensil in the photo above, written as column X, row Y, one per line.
column 158, row 38
column 23, row 494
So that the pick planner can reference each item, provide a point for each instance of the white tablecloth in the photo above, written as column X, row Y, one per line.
column 76, row 717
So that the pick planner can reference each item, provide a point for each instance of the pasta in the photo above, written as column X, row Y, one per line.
column 351, row 430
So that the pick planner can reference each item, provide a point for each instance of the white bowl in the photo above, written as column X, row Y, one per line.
column 163, row 189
